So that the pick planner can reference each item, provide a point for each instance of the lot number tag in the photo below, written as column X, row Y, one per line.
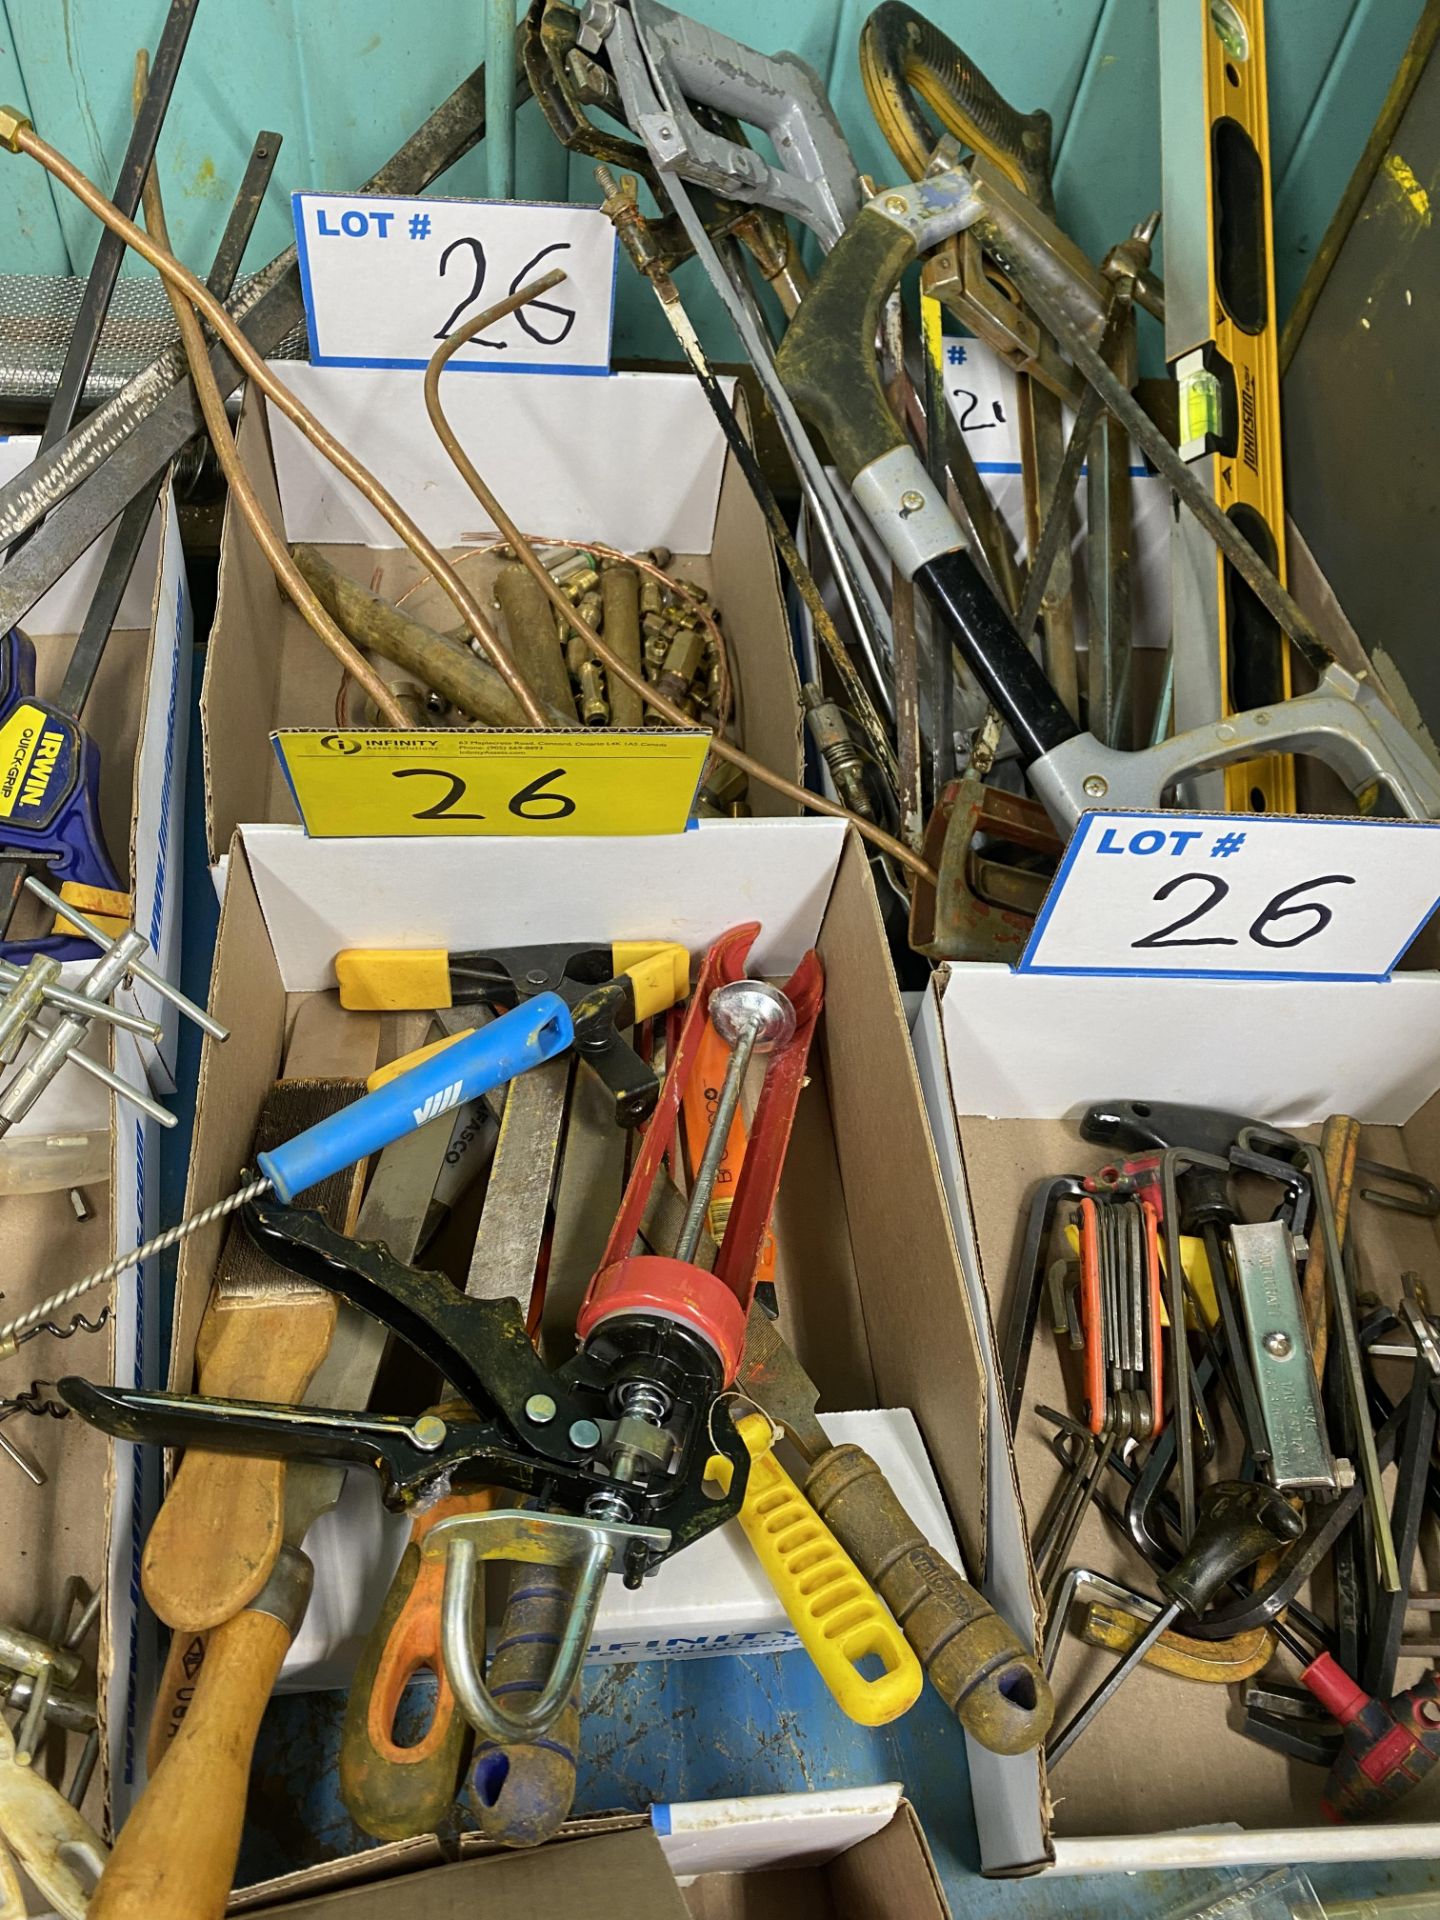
column 389, row 785
column 386, row 280
column 1204, row 894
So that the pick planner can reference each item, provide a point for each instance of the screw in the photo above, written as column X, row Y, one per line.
column 912, row 501
column 896, row 203
column 1096, row 786
column 585, row 1435
column 428, row 1432
column 1278, row 1345
column 540, row 1409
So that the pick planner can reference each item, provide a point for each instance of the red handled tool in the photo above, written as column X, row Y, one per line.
column 666, row 1333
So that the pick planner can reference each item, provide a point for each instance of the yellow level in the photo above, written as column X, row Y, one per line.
column 1222, row 340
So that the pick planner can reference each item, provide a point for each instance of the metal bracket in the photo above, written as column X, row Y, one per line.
column 591, row 1547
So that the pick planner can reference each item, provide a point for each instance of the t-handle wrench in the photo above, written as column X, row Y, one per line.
column 1239, row 1523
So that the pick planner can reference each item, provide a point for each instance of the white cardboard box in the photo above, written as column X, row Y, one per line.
column 94, row 1511
column 635, row 460
column 1008, row 1062
column 871, row 1294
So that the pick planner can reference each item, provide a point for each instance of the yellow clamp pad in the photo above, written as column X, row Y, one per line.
column 410, row 979
column 111, row 910
column 382, row 1076
column 1193, row 1259
column 393, row 979
column 836, row 1612
column 659, row 969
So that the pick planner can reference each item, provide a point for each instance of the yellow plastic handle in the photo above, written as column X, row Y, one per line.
column 840, row 1618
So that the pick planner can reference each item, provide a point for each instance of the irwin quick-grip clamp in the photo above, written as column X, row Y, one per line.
column 827, row 364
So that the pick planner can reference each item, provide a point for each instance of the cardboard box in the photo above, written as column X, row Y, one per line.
column 1008, row 1062
column 636, row 461
column 871, row 1293
column 824, row 1855
column 91, row 1515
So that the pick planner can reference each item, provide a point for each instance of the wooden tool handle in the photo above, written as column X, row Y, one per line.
column 976, row 1663
column 175, row 1693
column 395, row 1792
column 215, row 1539
column 176, row 1853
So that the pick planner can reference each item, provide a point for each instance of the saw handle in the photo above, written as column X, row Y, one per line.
column 440, row 1081
column 995, row 1686
column 903, row 54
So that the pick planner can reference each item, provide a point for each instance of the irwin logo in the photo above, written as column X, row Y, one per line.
column 42, row 765
column 438, row 1103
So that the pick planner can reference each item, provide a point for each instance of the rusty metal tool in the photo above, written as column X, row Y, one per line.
column 1237, row 1525
column 902, row 56
column 635, row 233
column 976, row 1663
column 827, row 364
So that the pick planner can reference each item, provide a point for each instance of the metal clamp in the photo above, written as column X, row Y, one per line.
column 545, row 1539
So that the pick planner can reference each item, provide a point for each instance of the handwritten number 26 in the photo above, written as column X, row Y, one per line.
column 478, row 267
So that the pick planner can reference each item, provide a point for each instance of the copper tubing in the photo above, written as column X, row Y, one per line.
column 217, row 423
column 21, row 137
column 525, row 553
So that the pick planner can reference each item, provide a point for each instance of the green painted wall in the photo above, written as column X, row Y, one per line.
column 345, row 80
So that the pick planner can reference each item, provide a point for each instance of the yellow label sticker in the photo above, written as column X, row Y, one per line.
column 359, row 785
column 22, row 738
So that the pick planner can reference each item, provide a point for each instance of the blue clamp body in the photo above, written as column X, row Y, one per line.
column 49, row 795
column 532, row 1033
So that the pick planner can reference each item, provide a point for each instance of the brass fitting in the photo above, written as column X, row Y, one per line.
column 581, row 583
column 589, row 607
column 594, row 702
column 622, row 210
column 12, row 124
column 652, row 596
column 682, row 662
column 660, row 557
column 576, row 655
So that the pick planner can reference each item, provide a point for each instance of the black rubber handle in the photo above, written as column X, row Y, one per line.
column 903, row 54
column 1239, row 1523
column 1008, row 673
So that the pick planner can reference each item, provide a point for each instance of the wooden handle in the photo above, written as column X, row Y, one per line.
column 395, row 1792
column 176, row 1853
column 215, row 1539
column 976, row 1663
column 174, row 1695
